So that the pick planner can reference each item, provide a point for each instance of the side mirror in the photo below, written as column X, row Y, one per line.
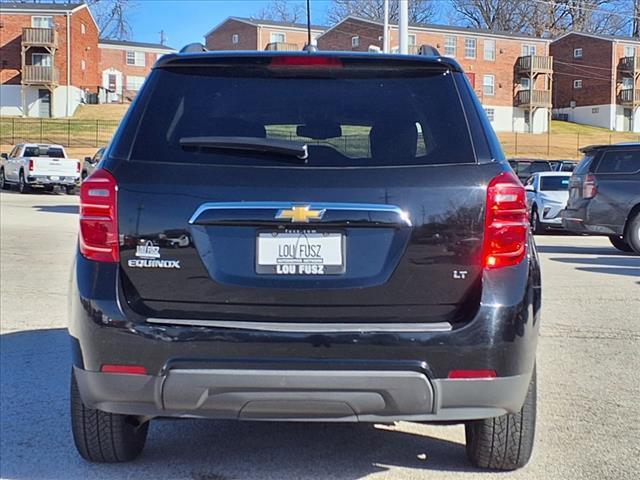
column 4, row 155
column 87, row 159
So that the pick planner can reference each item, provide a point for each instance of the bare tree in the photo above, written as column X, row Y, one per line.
column 112, row 17
column 283, row 11
column 420, row 11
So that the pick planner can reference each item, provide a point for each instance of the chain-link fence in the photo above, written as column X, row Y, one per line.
column 67, row 132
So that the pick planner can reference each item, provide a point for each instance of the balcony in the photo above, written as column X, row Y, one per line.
column 282, row 47
column 533, row 98
column 39, row 37
column 629, row 97
column 39, row 75
column 534, row 64
column 630, row 65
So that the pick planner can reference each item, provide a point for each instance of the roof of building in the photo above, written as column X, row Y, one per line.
column 62, row 7
column 444, row 28
column 609, row 38
column 271, row 23
column 126, row 43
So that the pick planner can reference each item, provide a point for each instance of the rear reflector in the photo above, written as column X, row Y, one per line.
column 306, row 61
column 477, row 374
column 506, row 222
column 131, row 369
column 99, row 218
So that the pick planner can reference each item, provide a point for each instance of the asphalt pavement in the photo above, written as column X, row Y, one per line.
column 588, row 374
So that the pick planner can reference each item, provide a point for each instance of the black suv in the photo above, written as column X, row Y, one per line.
column 309, row 237
column 604, row 195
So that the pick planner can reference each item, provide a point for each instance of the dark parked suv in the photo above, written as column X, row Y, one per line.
column 604, row 195
column 305, row 237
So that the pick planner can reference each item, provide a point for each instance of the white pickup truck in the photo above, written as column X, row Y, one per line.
column 33, row 165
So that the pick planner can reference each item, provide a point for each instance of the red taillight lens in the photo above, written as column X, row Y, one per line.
column 31, row 164
column 99, row 218
column 130, row 369
column 477, row 374
column 506, row 222
column 306, row 61
column 589, row 187
column 77, row 167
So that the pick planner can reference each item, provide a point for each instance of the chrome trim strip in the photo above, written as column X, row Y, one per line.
column 360, row 207
column 286, row 327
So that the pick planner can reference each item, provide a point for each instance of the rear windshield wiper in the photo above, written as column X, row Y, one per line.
column 250, row 144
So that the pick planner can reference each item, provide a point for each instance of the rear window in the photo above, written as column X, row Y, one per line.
column 583, row 166
column 43, row 151
column 554, row 184
column 620, row 161
column 377, row 120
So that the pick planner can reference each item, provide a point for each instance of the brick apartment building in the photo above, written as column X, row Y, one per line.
column 237, row 33
column 597, row 80
column 511, row 73
column 48, row 58
column 124, row 66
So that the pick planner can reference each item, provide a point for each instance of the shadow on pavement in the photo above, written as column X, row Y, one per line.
column 628, row 265
column 57, row 208
column 578, row 250
column 36, row 439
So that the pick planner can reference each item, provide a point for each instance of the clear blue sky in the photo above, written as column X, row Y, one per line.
column 186, row 21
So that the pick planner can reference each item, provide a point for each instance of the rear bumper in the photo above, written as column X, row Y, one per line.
column 355, row 374
column 46, row 180
column 581, row 220
column 300, row 395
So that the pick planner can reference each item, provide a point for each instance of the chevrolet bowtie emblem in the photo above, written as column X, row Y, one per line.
column 300, row 214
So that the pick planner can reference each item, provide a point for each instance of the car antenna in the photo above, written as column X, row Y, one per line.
column 309, row 47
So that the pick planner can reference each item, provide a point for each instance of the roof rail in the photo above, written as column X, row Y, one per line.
column 194, row 48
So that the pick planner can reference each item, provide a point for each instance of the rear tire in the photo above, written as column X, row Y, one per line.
column 104, row 437
column 633, row 233
column 620, row 243
column 535, row 221
column 23, row 186
column 70, row 190
column 505, row 442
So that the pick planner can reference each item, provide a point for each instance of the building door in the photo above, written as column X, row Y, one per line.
column 44, row 103
column 472, row 79
column 627, row 121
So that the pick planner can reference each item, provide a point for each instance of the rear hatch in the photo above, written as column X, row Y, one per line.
column 223, row 216
column 50, row 162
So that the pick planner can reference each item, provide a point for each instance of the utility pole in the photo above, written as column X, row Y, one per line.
column 404, row 26
column 385, row 35
column 636, row 20
column 163, row 37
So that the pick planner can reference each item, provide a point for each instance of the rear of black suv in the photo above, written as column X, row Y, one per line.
column 310, row 237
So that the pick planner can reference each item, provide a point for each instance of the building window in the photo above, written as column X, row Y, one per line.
column 277, row 37
column 489, row 50
column 355, row 41
column 41, row 59
column 595, row 110
column 627, row 83
column 577, row 84
column 525, row 83
column 629, row 51
column 489, row 85
column 528, row 50
column 135, row 58
column 83, row 65
column 42, row 22
column 412, row 39
column 83, row 28
column 235, row 38
column 134, row 82
column 469, row 48
column 577, row 53
column 491, row 113
column 450, row 46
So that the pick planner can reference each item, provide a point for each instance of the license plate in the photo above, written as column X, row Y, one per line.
column 54, row 178
column 300, row 253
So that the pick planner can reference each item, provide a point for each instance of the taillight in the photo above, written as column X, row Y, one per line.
column 99, row 218
column 31, row 164
column 506, row 222
column 77, row 167
column 589, row 187
column 306, row 61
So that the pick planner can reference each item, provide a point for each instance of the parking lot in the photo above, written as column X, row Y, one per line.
column 588, row 371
